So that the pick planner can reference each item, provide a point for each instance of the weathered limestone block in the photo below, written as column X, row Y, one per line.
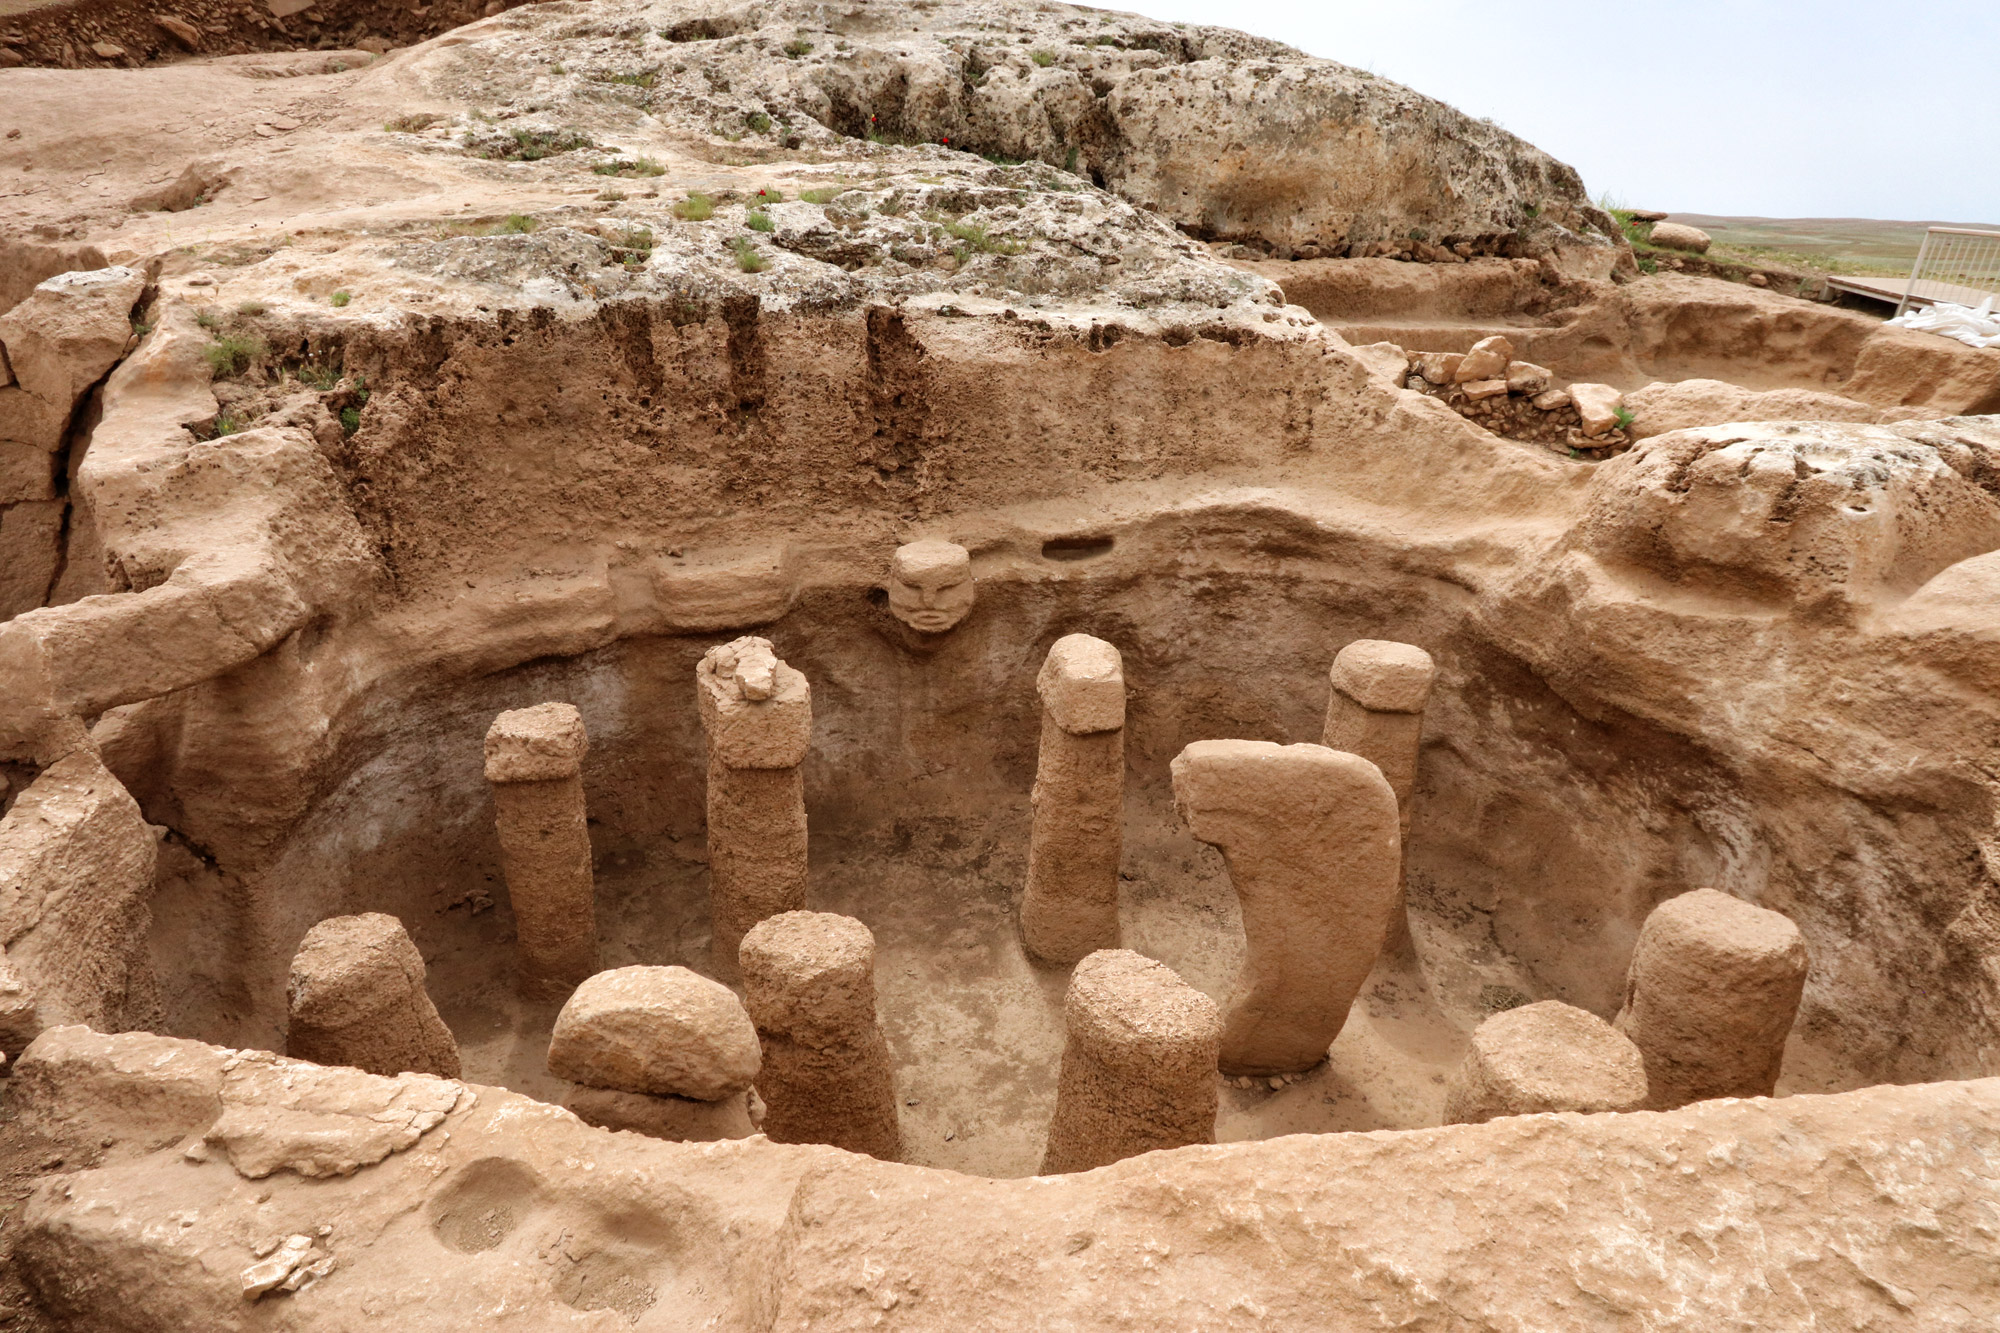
column 1377, row 710
column 59, row 342
column 1070, row 907
column 1310, row 836
column 757, row 712
column 1679, row 236
column 661, row 1031
column 1525, row 377
column 1487, row 360
column 31, row 552
column 76, row 884
column 678, row 1119
column 931, row 587
column 1661, row 407
column 1710, row 997
column 809, row 981
column 1541, row 1057
column 357, row 997
column 1597, row 405
column 534, row 762
column 1138, row 1067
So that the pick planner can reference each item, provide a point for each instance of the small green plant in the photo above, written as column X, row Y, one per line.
column 558, row 69
column 767, row 195
column 972, row 239
column 350, row 419
column 224, row 424
column 795, row 48
column 747, row 257
column 1002, row 160
column 825, row 194
column 252, row 308
column 534, row 145
column 1069, row 160
column 208, row 319
column 516, row 224
column 643, row 80
column 1042, row 58
column 758, row 221
column 1648, row 264
column 758, row 122
column 1532, row 210
column 320, row 379
column 1623, row 415
column 231, row 353
column 142, row 327
column 635, row 166
column 411, row 124
column 339, row 299
column 695, row 208
column 634, row 238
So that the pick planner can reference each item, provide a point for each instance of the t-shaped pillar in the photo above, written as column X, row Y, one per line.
column 1071, row 904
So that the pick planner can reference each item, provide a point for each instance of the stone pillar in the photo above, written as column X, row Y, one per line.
column 534, row 761
column 1070, row 907
column 1545, row 1057
column 1710, row 997
column 660, row 1051
column 1310, row 838
column 758, row 715
column 1377, row 711
column 357, row 998
column 809, row 980
column 1138, row 1066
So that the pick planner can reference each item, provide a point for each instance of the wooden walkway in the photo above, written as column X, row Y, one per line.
column 1892, row 289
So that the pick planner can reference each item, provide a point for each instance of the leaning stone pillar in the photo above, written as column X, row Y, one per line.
column 1710, row 997
column 1545, row 1057
column 758, row 715
column 534, row 761
column 356, row 997
column 809, row 982
column 1377, row 711
column 1071, row 904
column 1138, row 1066
column 1310, row 838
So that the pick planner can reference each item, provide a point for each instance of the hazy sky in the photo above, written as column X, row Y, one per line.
column 1773, row 108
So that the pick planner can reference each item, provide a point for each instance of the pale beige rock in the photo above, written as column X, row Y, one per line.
column 1439, row 367
column 61, row 340
column 757, row 712
column 1070, row 905
column 1679, row 236
column 1551, row 399
column 1598, row 405
column 1384, row 676
column 356, row 997
column 1310, row 836
column 661, row 1031
column 1479, row 390
column 1385, row 359
column 1138, row 1070
column 1661, row 407
column 1710, row 997
column 809, row 982
column 931, row 587
column 1525, row 377
column 680, row 1119
column 545, row 843
column 1758, row 280
column 76, row 887
column 1545, row 1057
column 1487, row 360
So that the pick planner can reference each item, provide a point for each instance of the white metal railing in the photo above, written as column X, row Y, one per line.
column 1954, row 264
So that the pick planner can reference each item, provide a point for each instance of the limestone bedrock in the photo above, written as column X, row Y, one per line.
column 1070, row 904
column 1313, row 846
column 356, row 997
column 1543, row 1057
column 1138, row 1068
column 1710, row 997
column 809, row 982
column 662, row 1031
column 931, row 587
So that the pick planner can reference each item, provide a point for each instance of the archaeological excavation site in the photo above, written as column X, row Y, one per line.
column 956, row 665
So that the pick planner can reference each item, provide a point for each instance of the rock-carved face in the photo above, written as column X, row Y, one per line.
column 930, row 585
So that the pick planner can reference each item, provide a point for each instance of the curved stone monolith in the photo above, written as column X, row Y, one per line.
column 1311, row 841
column 1710, row 997
column 1544, row 1057
column 1138, row 1066
column 534, row 762
column 809, row 982
column 757, row 712
column 356, row 997
column 1070, row 907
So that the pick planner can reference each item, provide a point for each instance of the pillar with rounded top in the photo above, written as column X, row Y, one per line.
column 534, row 761
column 1377, row 711
column 1545, row 1057
column 1070, row 907
column 809, row 983
column 1710, row 997
column 1138, row 1066
column 1310, row 838
column 757, row 712
column 356, row 997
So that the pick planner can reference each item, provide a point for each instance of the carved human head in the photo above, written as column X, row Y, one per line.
column 930, row 585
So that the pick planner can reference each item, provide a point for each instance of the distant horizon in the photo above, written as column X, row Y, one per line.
column 1721, row 108
column 1897, row 222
